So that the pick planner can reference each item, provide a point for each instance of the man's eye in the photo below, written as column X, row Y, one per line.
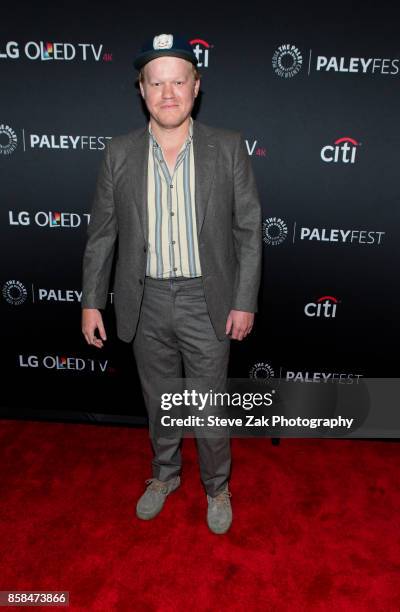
column 179, row 82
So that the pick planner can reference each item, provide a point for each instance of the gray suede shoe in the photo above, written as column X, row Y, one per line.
column 153, row 499
column 219, row 513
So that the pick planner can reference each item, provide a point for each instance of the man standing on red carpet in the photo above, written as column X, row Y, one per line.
column 182, row 199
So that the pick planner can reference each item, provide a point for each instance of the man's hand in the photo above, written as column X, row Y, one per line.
column 92, row 320
column 239, row 324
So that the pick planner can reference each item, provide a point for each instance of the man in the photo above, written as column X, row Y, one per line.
column 182, row 199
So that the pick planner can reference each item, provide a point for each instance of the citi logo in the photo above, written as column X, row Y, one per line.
column 343, row 150
column 201, row 49
column 324, row 307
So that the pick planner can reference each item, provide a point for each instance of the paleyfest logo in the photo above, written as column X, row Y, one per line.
column 8, row 140
column 275, row 231
column 287, row 62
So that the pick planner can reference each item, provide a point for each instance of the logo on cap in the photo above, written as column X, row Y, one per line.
column 163, row 41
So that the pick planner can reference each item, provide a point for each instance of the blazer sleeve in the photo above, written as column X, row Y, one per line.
column 247, row 231
column 102, row 232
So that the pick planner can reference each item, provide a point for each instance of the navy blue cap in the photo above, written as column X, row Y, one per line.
column 165, row 45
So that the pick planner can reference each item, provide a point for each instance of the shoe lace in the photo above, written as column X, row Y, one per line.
column 156, row 485
column 222, row 498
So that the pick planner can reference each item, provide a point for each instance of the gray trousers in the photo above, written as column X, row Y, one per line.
column 175, row 337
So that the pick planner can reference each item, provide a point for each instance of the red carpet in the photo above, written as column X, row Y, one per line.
column 316, row 524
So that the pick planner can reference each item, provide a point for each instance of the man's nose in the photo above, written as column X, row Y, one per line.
column 168, row 90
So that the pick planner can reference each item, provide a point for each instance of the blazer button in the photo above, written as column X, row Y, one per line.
column 144, row 249
column 140, row 281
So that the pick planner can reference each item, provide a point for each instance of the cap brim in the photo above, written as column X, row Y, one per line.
column 144, row 58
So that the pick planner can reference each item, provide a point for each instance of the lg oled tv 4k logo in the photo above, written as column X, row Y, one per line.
column 343, row 151
column 325, row 307
column 65, row 362
column 58, row 51
column 201, row 49
column 253, row 149
column 47, row 218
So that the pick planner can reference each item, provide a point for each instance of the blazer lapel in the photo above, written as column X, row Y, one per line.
column 137, row 171
column 205, row 155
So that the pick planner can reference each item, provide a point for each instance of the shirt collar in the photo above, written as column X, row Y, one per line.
column 187, row 141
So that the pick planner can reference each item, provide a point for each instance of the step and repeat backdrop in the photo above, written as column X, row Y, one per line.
column 316, row 98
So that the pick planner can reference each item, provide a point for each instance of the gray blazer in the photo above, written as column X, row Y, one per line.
column 228, row 215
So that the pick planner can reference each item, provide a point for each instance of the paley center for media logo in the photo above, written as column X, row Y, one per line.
column 275, row 232
column 263, row 369
column 57, row 51
column 287, row 61
column 8, row 140
column 15, row 293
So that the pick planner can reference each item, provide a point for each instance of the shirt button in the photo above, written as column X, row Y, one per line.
column 172, row 213
column 175, row 269
column 171, row 186
column 173, row 242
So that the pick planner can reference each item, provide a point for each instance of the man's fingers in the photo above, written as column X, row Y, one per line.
column 91, row 338
column 239, row 332
column 102, row 331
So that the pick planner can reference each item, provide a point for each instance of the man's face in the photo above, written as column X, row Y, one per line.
column 169, row 90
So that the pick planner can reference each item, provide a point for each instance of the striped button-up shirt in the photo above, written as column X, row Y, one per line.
column 172, row 239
